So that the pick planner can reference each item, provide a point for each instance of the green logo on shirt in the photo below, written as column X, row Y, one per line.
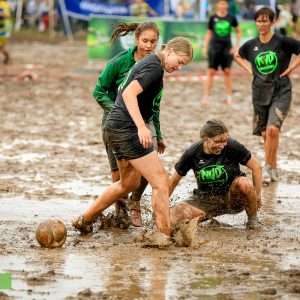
column 156, row 101
column 213, row 174
column 266, row 62
column 223, row 28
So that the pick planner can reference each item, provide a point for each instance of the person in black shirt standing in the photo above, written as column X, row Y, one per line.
column 269, row 55
column 222, row 188
column 220, row 51
column 125, row 130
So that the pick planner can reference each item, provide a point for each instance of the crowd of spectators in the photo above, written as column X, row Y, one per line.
column 35, row 13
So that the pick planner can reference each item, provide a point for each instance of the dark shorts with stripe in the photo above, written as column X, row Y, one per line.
column 271, row 103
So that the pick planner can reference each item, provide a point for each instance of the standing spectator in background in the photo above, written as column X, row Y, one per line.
column 4, row 15
column 182, row 9
column 284, row 19
column 43, row 14
column 31, row 15
column 234, row 8
column 249, row 11
column 295, row 8
column 220, row 52
column 142, row 9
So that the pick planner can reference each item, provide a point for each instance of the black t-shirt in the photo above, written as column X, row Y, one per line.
column 214, row 173
column 149, row 73
column 269, row 60
column 221, row 28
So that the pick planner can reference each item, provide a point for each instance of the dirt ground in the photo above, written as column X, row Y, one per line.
column 53, row 165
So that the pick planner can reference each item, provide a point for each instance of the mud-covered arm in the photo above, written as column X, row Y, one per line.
column 173, row 182
column 104, row 82
column 255, row 167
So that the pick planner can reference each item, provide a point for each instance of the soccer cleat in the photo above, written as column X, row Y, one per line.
column 82, row 226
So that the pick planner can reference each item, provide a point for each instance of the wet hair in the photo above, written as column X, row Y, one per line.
column 122, row 29
column 213, row 128
column 181, row 45
column 265, row 11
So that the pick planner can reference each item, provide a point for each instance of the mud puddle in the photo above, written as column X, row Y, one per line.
column 111, row 264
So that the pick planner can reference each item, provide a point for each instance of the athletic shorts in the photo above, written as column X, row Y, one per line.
column 3, row 40
column 219, row 58
column 126, row 145
column 271, row 103
column 213, row 205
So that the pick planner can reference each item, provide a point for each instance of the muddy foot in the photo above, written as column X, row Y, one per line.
column 155, row 239
column 184, row 233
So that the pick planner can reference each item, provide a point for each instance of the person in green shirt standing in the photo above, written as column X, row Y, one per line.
column 105, row 93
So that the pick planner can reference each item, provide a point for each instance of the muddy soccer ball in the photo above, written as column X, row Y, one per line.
column 51, row 233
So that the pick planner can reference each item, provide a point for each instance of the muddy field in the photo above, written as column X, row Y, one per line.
column 53, row 165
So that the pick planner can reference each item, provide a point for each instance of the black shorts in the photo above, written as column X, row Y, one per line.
column 214, row 205
column 125, row 145
column 271, row 103
column 110, row 153
column 218, row 58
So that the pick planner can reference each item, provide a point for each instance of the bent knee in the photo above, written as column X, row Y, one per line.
column 272, row 131
column 129, row 185
column 241, row 184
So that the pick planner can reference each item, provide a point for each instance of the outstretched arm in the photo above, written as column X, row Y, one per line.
column 254, row 165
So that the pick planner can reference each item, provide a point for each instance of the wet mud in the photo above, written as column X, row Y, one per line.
column 53, row 165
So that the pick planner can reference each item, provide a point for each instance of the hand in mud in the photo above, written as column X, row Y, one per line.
column 145, row 136
column 161, row 146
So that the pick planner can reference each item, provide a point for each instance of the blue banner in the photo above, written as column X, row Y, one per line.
column 81, row 9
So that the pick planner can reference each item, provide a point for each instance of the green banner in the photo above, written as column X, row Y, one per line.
column 5, row 281
column 100, row 30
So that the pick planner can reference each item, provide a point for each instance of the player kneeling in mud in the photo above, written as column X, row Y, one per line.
column 222, row 187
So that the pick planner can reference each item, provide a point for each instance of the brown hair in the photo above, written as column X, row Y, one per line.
column 213, row 128
column 265, row 11
column 123, row 29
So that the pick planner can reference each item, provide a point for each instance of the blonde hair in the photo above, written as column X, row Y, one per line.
column 181, row 45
